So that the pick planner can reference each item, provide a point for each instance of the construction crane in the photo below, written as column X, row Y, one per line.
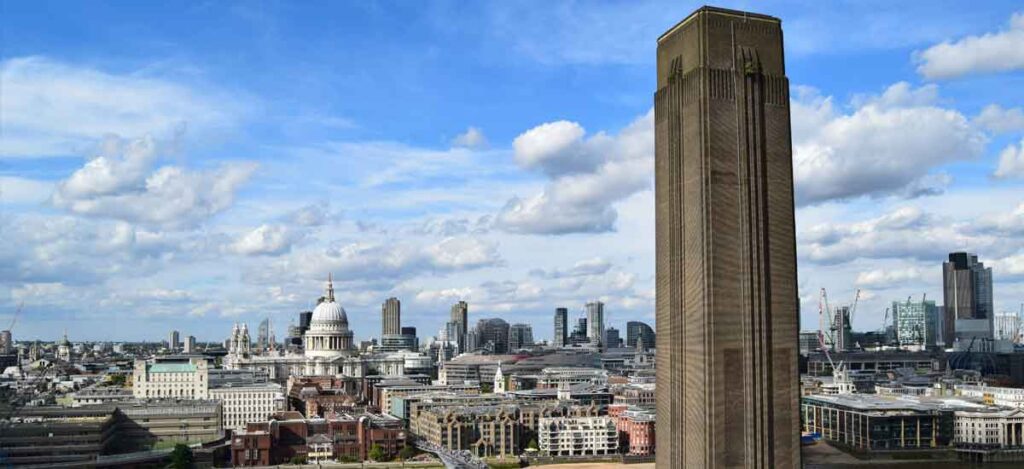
column 14, row 319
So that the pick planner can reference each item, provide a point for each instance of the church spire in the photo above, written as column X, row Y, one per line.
column 329, row 297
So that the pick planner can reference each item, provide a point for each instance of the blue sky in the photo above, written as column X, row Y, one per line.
column 190, row 165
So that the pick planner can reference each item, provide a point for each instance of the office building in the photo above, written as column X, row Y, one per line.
column 185, row 378
column 727, row 312
column 967, row 297
column 173, row 343
column 579, row 334
column 561, row 327
column 595, row 323
column 842, row 330
column 915, row 323
column 248, row 403
column 485, row 431
column 520, row 336
column 190, row 344
column 492, row 334
column 611, row 338
column 460, row 316
column 391, row 317
column 639, row 331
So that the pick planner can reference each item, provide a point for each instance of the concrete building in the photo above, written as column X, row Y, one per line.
column 916, row 323
column 561, row 335
column 182, row 378
column 577, row 436
column 391, row 317
column 726, row 248
column 967, row 296
column 55, row 436
column 996, row 395
column 249, row 403
column 520, row 336
column 595, row 323
column 165, row 421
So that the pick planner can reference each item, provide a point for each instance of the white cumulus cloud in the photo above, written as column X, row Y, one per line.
column 886, row 146
column 992, row 52
column 1011, row 162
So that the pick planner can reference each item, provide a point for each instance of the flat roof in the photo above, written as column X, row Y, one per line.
column 720, row 11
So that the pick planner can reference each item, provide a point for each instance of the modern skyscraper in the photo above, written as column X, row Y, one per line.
column 611, row 338
column 460, row 316
column 967, row 294
column 561, row 327
column 520, row 336
column 915, row 323
column 636, row 330
column 190, row 344
column 493, row 333
column 595, row 323
column 391, row 317
column 263, row 335
column 173, row 343
column 727, row 310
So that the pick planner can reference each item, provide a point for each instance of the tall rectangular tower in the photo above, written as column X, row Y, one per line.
column 595, row 323
column 561, row 327
column 727, row 311
column 391, row 317
column 460, row 316
column 967, row 294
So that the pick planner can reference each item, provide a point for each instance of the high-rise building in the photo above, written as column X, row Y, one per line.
column 1008, row 326
column 727, row 312
column 263, row 335
column 460, row 316
column 561, row 327
column 967, row 294
column 173, row 343
column 493, row 334
column 190, row 344
column 637, row 330
column 520, row 336
column 595, row 323
column 304, row 319
column 579, row 334
column 391, row 317
column 6, row 342
column 611, row 338
column 916, row 323
column 842, row 330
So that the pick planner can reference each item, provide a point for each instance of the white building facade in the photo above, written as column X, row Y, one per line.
column 577, row 436
column 248, row 403
column 184, row 379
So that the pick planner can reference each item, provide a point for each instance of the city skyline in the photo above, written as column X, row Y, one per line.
column 302, row 142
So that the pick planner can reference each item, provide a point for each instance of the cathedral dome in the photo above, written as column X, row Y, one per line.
column 329, row 312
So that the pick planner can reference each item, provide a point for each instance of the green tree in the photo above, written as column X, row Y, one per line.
column 407, row 452
column 181, row 457
column 376, row 453
column 117, row 380
column 532, row 444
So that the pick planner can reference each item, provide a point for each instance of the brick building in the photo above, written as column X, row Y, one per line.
column 289, row 435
